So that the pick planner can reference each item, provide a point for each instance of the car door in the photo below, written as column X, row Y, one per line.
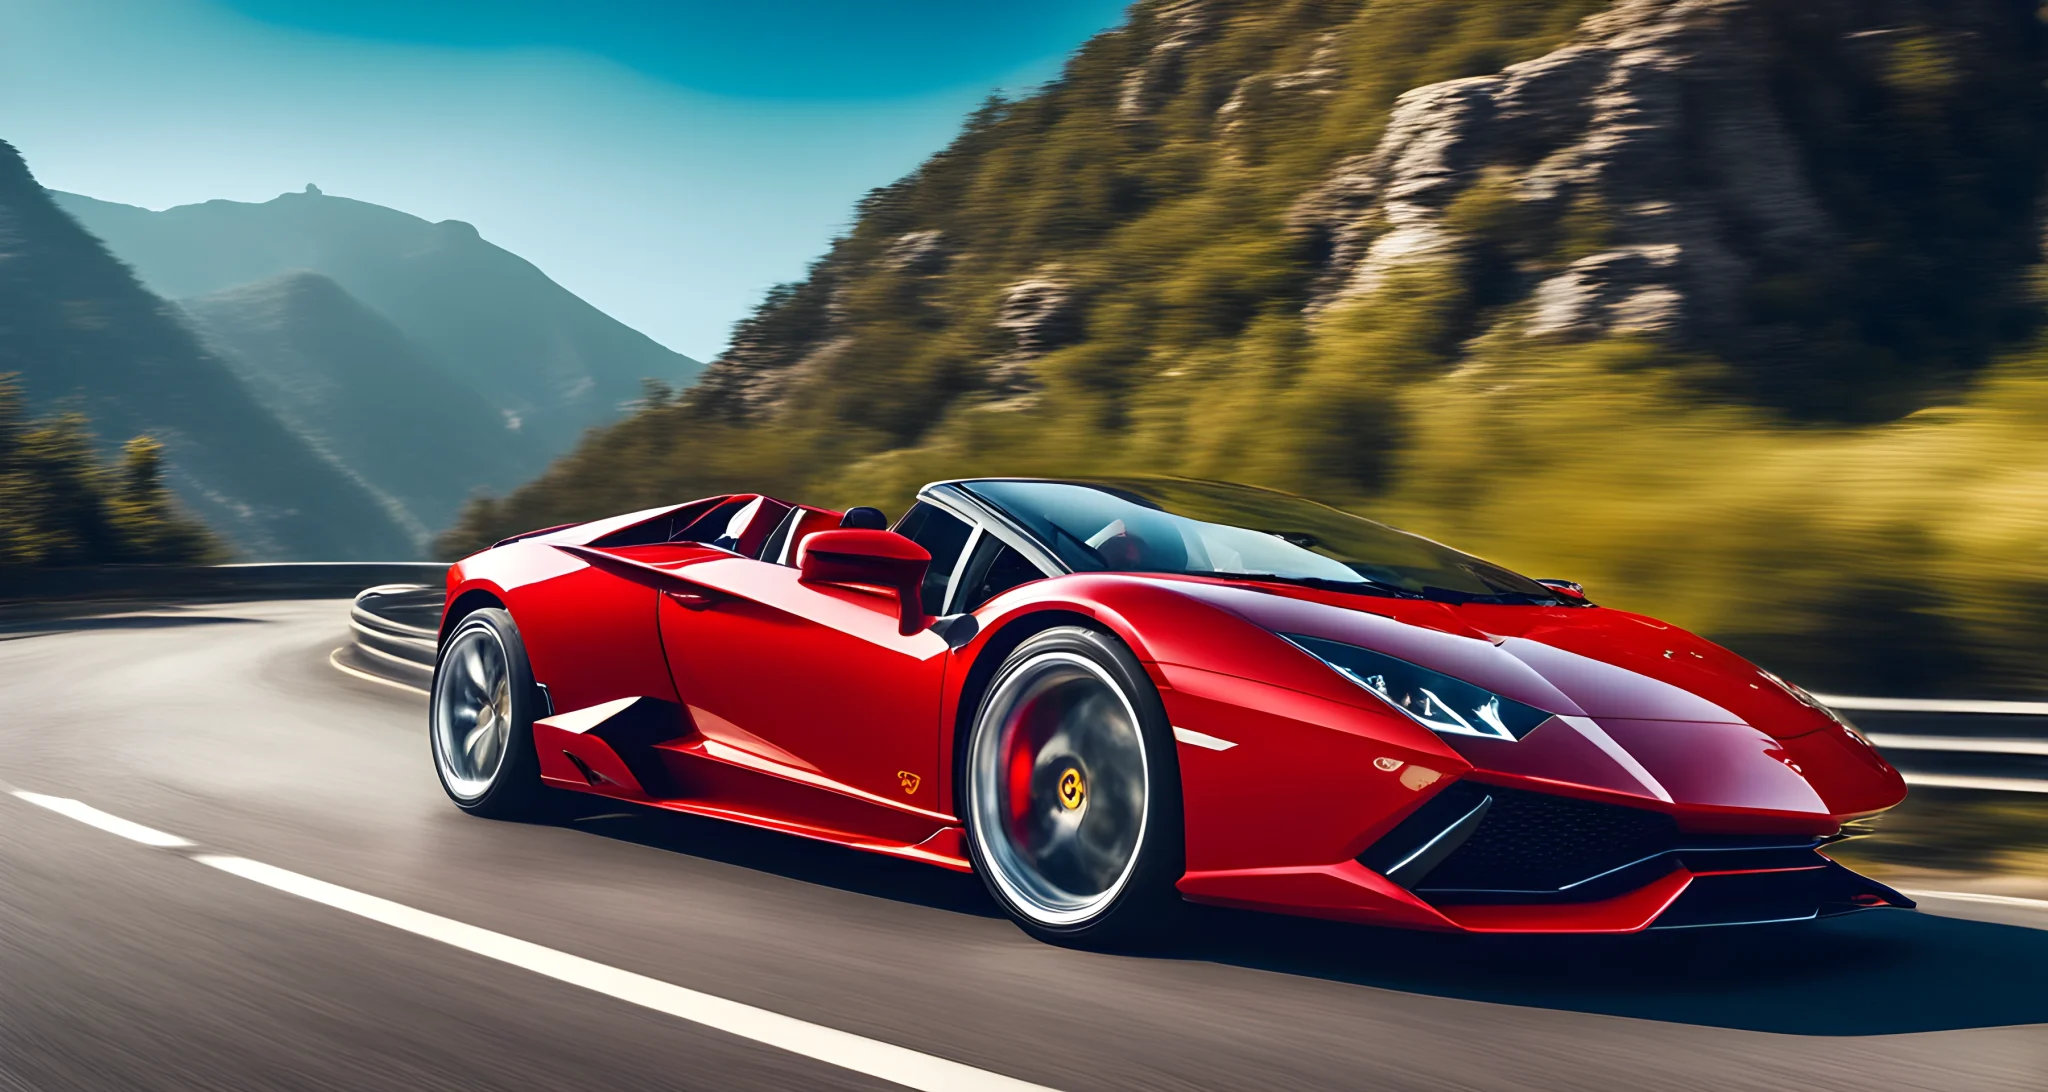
column 815, row 679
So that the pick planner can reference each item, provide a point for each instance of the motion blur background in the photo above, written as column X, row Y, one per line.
column 1731, row 310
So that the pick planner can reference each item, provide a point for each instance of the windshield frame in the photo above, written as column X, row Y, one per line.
column 958, row 493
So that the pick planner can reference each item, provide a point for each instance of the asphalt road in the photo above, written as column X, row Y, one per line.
column 124, row 965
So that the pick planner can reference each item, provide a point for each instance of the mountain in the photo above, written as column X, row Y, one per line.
column 81, row 334
column 346, row 380
column 551, row 364
column 1731, row 309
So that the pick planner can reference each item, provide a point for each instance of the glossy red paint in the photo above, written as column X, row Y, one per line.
column 1335, row 776
column 869, row 559
column 815, row 697
column 1629, row 913
column 852, row 699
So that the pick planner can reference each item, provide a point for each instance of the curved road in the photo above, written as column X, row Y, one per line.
column 124, row 965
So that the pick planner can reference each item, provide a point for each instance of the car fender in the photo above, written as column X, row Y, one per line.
column 590, row 636
column 1292, row 767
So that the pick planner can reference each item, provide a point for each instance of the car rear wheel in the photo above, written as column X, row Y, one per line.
column 481, row 718
column 1073, row 793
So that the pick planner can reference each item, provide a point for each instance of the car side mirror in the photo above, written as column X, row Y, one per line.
column 871, row 559
column 1568, row 587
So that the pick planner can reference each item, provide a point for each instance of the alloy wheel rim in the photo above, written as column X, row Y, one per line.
column 472, row 712
column 1058, row 784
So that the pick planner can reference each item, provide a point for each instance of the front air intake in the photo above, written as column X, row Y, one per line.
column 1538, row 843
column 1533, row 847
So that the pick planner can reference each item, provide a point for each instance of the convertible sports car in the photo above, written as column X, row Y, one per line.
column 1106, row 697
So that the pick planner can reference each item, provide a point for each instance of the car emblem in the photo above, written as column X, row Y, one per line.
column 908, row 780
column 1073, row 792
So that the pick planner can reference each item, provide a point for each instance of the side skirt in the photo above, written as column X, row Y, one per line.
column 643, row 750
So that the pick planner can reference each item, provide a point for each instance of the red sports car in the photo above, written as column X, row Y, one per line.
column 1109, row 696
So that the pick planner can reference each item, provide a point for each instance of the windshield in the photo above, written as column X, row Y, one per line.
column 1173, row 525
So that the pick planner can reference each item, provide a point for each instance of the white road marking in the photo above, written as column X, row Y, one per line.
column 1199, row 739
column 337, row 665
column 1972, row 896
column 94, row 817
column 872, row 1057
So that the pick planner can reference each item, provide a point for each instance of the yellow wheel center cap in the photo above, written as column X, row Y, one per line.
column 1073, row 790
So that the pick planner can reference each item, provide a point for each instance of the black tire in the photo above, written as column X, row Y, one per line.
column 1074, row 708
column 511, row 789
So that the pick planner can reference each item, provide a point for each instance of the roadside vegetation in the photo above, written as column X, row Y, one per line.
column 61, row 506
column 1851, row 487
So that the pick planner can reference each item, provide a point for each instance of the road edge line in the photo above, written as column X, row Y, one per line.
column 360, row 674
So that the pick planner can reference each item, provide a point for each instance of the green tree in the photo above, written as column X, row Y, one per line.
column 59, row 506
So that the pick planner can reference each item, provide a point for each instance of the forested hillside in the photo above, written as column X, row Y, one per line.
column 1728, row 308
column 80, row 335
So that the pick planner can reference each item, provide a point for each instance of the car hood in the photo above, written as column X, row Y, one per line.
column 1642, row 707
column 1582, row 661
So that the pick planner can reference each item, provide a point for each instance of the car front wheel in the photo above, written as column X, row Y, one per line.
column 1073, row 803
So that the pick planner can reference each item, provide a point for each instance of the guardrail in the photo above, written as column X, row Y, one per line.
column 283, row 580
column 1988, row 746
column 396, row 628
column 1992, row 746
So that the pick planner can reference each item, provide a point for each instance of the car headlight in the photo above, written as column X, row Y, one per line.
column 1432, row 699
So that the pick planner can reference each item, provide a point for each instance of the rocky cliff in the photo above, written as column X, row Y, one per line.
column 1836, row 199
column 1717, row 149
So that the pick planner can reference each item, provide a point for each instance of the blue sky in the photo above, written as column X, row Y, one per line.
column 668, row 161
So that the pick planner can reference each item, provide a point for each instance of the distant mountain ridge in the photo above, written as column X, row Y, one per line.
column 419, row 362
column 551, row 364
column 346, row 380
column 81, row 333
